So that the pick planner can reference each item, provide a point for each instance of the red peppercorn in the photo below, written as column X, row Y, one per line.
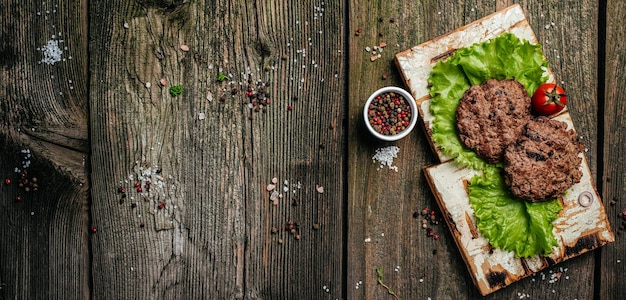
column 161, row 206
column 139, row 190
column 18, row 198
column 290, row 107
column 93, row 230
column 137, row 184
column 7, row 181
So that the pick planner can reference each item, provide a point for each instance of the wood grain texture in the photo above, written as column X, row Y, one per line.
column 89, row 119
column 570, row 45
column 612, row 265
column 579, row 229
column 383, row 232
column 572, row 229
column 372, row 205
column 44, row 250
column 212, row 237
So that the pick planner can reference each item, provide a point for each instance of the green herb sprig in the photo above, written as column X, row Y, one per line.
column 176, row 90
column 221, row 77
column 379, row 275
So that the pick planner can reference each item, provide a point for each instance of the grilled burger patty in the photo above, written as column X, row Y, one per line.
column 544, row 161
column 492, row 116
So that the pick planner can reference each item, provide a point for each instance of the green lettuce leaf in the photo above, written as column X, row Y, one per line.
column 509, row 223
column 505, row 56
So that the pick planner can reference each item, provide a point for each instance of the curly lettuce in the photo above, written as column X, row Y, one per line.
column 508, row 222
column 505, row 56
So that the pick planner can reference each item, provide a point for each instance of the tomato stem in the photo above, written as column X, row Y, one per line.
column 554, row 96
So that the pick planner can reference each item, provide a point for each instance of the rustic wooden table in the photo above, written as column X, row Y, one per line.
column 84, row 114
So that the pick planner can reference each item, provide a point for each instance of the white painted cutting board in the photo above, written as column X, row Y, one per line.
column 578, row 229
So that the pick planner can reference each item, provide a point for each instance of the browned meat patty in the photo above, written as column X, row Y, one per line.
column 491, row 116
column 544, row 161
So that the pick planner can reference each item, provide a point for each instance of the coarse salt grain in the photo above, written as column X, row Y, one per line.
column 384, row 156
column 51, row 52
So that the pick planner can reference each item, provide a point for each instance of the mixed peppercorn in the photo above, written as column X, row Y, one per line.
column 25, row 184
column 429, row 219
column 389, row 113
column 290, row 191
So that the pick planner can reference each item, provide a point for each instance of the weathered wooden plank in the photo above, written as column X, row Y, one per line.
column 612, row 265
column 569, row 42
column 43, row 139
column 372, row 205
column 575, row 224
column 580, row 228
column 300, row 142
column 383, row 232
column 212, row 237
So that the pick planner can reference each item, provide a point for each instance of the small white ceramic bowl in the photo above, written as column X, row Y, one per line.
column 412, row 120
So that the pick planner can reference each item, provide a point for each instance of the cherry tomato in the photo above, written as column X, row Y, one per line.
column 549, row 99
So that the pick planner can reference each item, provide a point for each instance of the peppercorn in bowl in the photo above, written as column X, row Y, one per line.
column 390, row 113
